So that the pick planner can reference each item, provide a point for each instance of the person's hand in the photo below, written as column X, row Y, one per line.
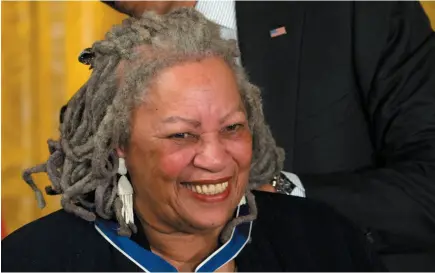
column 133, row 8
column 137, row 8
column 266, row 187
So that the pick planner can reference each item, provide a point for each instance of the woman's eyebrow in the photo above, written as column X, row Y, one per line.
column 238, row 109
column 175, row 119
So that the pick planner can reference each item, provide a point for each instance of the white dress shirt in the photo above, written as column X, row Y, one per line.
column 223, row 13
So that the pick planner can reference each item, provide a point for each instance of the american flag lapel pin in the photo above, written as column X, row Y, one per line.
column 277, row 32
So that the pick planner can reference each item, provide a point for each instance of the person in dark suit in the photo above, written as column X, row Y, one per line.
column 349, row 92
column 158, row 154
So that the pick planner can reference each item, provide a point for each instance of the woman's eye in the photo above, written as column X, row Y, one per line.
column 181, row 136
column 233, row 127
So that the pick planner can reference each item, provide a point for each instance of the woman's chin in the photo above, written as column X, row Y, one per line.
column 207, row 222
column 205, row 212
column 207, row 218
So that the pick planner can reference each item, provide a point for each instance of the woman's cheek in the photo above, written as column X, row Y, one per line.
column 174, row 162
column 241, row 151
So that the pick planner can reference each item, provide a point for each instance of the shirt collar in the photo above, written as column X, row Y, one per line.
column 220, row 12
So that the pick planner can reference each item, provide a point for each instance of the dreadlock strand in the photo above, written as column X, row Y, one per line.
column 53, row 146
column 84, row 185
column 79, row 118
column 100, row 193
column 80, row 133
column 228, row 230
column 27, row 176
column 73, row 112
column 80, row 171
column 55, row 162
column 69, row 206
column 103, row 97
column 103, row 147
column 83, row 151
column 87, row 204
column 109, row 199
column 83, row 130
column 66, row 174
column 68, row 150
column 141, row 33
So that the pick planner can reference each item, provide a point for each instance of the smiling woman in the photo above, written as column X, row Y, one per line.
column 161, row 150
column 194, row 129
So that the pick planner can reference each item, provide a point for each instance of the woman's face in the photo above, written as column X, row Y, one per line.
column 190, row 149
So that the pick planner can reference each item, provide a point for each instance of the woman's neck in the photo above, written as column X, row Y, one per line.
column 183, row 251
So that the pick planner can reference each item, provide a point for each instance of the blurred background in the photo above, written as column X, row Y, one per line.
column 40, row 72
column 41, row 41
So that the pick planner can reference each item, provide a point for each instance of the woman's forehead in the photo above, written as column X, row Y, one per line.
column 189, row 79
column 196, row 89
column 179, row 79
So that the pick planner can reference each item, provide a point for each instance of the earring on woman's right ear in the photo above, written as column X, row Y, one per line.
column 125, row 193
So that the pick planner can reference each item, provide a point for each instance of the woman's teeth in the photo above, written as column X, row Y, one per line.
column 209, row 189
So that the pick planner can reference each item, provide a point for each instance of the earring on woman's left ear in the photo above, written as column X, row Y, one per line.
column 242, row 201
column 125, row 193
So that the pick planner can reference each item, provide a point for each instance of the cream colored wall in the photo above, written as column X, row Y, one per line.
column 40, row 71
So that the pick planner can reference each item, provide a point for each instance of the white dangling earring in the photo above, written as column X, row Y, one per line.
column 125, row 192
column 242, row 201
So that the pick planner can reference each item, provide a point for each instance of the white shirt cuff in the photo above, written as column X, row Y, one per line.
column 299, row 189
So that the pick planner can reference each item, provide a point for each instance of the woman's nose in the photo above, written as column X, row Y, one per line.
column 212, row 154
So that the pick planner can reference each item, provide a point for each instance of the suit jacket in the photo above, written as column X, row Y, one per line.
column 349, row 92
column 290, row 234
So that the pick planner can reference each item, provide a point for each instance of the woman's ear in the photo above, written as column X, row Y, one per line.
column 120, row 152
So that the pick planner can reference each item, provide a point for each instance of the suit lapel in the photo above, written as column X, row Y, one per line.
column 273, row 63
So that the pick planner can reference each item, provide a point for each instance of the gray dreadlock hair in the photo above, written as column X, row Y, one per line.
column 83, row 161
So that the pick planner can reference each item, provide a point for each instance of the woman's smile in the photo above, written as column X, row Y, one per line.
column 213, row 190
